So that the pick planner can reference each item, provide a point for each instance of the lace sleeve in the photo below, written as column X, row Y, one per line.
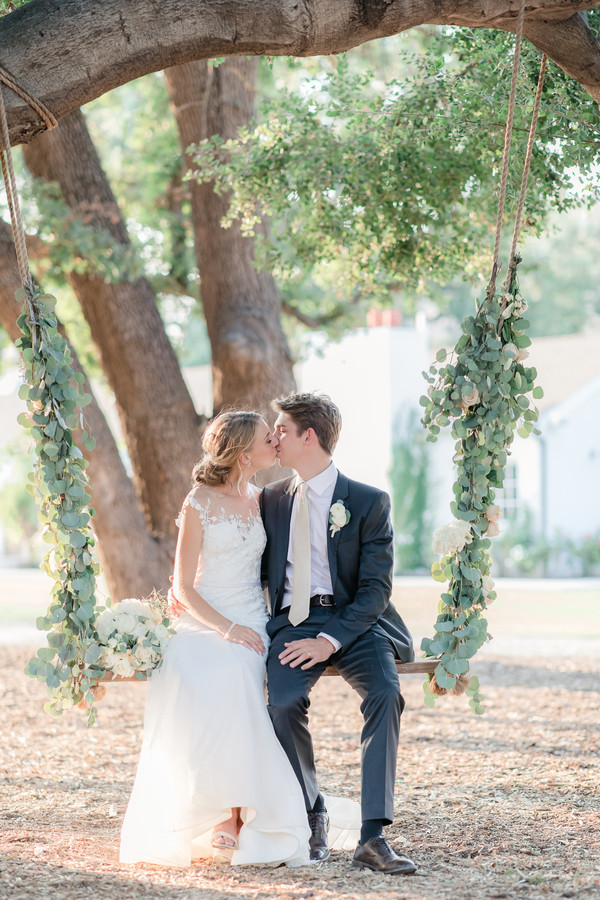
column 202, row 509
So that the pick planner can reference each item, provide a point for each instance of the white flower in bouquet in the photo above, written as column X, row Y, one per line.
column 124, row 665
column 134, row 607
column 118, row 664
column 140, row 630
column 161, row 633
column 145, row 654
column 125, row 622
column 451, row 538
column 105, row 624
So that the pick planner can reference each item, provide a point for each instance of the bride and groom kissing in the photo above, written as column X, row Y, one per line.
column 221, row 774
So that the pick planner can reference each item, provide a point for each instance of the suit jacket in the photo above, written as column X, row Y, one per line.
column 361, row 560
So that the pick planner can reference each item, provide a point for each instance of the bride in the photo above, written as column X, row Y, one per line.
column 212, row 778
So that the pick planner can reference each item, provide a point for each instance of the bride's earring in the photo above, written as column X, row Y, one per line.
column 248, row 462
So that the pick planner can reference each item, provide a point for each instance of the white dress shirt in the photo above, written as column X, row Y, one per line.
column 320, row 494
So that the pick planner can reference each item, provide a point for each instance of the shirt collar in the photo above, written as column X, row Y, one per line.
column 323, row 481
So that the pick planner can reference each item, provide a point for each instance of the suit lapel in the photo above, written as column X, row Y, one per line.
column 284, row 516
column 340, row 492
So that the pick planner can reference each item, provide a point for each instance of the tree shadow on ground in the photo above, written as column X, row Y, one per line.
column 29, row 879
column 521, row 674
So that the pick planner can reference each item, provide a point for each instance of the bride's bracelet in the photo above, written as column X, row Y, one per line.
column 229, row 630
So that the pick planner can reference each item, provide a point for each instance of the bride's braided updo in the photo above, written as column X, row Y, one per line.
column 228, row 435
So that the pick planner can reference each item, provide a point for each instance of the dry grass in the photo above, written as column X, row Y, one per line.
column 504, row 805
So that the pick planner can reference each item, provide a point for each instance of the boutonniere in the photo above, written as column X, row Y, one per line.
column 338, row 516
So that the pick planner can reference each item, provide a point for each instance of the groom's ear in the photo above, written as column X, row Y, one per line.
column 310, row 436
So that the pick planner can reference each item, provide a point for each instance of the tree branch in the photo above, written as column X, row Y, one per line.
column 312, row 321
column 68, row 53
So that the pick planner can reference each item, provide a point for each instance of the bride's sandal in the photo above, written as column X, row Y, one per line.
column 223, row 846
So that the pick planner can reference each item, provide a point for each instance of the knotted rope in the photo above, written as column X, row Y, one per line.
column 34, row 102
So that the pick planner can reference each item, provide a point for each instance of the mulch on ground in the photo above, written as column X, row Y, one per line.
column 493, row 806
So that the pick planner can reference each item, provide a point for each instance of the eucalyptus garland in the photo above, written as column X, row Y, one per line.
column 486, row 391
column 53, row 391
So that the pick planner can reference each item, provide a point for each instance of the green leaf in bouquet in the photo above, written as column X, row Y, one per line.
column 93, row 653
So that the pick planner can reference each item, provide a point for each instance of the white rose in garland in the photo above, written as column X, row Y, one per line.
column 471, row 398
column 451, row 538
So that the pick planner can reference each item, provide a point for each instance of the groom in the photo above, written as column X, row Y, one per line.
column 328, row 566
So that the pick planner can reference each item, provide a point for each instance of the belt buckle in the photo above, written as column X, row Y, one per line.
column 325, row 600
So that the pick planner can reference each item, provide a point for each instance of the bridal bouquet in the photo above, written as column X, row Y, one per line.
column 131, row 637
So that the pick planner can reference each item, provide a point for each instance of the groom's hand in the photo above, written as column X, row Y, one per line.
column 306, row 653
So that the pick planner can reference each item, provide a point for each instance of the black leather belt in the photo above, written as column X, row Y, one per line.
column 322, row 600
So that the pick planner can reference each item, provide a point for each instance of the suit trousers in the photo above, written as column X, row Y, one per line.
column 369, row 667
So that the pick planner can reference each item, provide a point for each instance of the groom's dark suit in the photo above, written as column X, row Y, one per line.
column 371, row 633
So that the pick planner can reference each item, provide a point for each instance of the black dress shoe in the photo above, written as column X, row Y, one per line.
column 319, row 826
column 376, row 854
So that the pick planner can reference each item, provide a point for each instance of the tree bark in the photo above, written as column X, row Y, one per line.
column 68, row 53
column 161, row 426
column 251, row 359
column 133, row 561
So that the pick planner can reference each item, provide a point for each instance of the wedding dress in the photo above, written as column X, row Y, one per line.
column 208, row 743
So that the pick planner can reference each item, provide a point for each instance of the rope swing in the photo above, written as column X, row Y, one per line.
column 484, row 389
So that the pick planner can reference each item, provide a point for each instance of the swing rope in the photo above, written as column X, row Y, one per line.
column 10, row 182
column 526, row 167
column 507, row 142
column 491, row 288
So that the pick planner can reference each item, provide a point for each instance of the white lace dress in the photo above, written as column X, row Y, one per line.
column 208, row 741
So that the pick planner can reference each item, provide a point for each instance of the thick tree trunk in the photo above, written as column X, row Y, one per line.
column 250, row 356
column 68, row 53
column 132, row 560
column 161, row 426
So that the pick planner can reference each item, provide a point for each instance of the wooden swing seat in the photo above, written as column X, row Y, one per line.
column 420, row 666
column 416, row 667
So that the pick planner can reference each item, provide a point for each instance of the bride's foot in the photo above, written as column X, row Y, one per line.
column 223, row 846
column 225, row 837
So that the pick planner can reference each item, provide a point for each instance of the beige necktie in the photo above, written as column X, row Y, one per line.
column 300, row 604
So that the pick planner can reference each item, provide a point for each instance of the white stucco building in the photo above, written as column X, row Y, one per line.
column 374, row 374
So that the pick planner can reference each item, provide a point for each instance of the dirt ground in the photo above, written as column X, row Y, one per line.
column 501, row 805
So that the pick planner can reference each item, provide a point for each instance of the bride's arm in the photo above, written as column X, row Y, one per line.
column 189, row 548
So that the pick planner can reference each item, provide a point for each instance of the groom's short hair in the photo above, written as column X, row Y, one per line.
column 313, row 410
